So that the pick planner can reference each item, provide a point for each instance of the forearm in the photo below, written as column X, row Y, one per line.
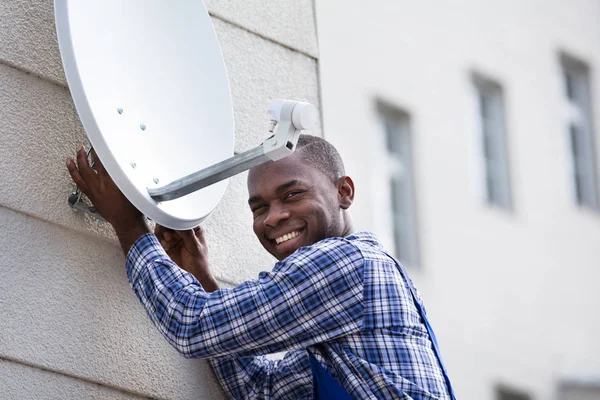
column 172, row 298
column 129, row 234
column 208, row 282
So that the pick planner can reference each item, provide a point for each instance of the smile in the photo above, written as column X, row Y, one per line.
column 287, row 237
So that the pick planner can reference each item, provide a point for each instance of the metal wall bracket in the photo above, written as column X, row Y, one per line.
column 76, row 201
column 79, row 205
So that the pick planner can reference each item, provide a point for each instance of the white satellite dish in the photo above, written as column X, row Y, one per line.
column 151, row 89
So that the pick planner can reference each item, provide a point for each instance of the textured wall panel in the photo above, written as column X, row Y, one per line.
column 66, row 305
column 39, row 130
column 19, row 381
column 28, row 37
column 28, row 34
column 260, row 71
column 291, row 22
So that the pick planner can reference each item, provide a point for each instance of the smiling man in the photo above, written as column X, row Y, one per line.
column 300, row 200
column 344, row 310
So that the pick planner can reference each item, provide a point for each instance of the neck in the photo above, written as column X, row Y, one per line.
column 348, row 226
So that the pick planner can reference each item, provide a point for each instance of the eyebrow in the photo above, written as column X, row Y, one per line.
column 280, row 188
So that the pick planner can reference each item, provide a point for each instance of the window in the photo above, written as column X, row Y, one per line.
column 492, row 143
column 397, row 171
column 505, row 393
column 578, row 129
column 578, row 390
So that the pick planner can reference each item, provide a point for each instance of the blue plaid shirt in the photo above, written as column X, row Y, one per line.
column 342, row 299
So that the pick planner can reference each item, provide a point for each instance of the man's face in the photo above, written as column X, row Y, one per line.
column 293, row 205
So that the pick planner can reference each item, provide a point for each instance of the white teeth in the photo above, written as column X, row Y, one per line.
column 287, row 237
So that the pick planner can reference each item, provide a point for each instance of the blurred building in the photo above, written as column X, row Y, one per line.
column 471, row 130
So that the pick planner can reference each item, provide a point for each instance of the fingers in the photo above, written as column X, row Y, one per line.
column 171, row 244
column 86, row 172
column 166, row 237
column 199, row 232
column 190, row 239
column 158, row 230
column 169, row 238
column 98, row 163
column 76, row 176
column 163, row 233
column 81, row 171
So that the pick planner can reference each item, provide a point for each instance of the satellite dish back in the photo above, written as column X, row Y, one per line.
column 151, row 89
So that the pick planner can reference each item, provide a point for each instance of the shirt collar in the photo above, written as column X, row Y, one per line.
column 365, row 236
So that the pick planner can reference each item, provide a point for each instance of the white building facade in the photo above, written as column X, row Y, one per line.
column 471, row 130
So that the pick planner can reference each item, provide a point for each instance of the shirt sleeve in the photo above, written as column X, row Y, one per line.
column 313, row 296
column 262, row 378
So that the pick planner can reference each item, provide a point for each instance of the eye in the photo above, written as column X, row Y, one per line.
column 258, row 209
column 291, row 194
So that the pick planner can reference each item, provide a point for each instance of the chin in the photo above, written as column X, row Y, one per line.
column 281, row 256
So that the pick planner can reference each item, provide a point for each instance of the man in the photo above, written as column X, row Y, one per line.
column 344, row 310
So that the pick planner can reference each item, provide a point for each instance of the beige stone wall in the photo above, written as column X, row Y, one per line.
column 70, row 326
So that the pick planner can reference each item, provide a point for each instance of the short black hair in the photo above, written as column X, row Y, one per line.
column 319, row 153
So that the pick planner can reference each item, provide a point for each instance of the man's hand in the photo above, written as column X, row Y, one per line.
column 128, row 223
column 188, row 250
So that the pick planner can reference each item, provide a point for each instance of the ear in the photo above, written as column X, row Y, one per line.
column 345, row 192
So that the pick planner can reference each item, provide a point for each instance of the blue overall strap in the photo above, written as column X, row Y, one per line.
column 324, row 385
column 421, row 309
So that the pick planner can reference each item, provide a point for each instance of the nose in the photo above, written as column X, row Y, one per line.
column 277, row 213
